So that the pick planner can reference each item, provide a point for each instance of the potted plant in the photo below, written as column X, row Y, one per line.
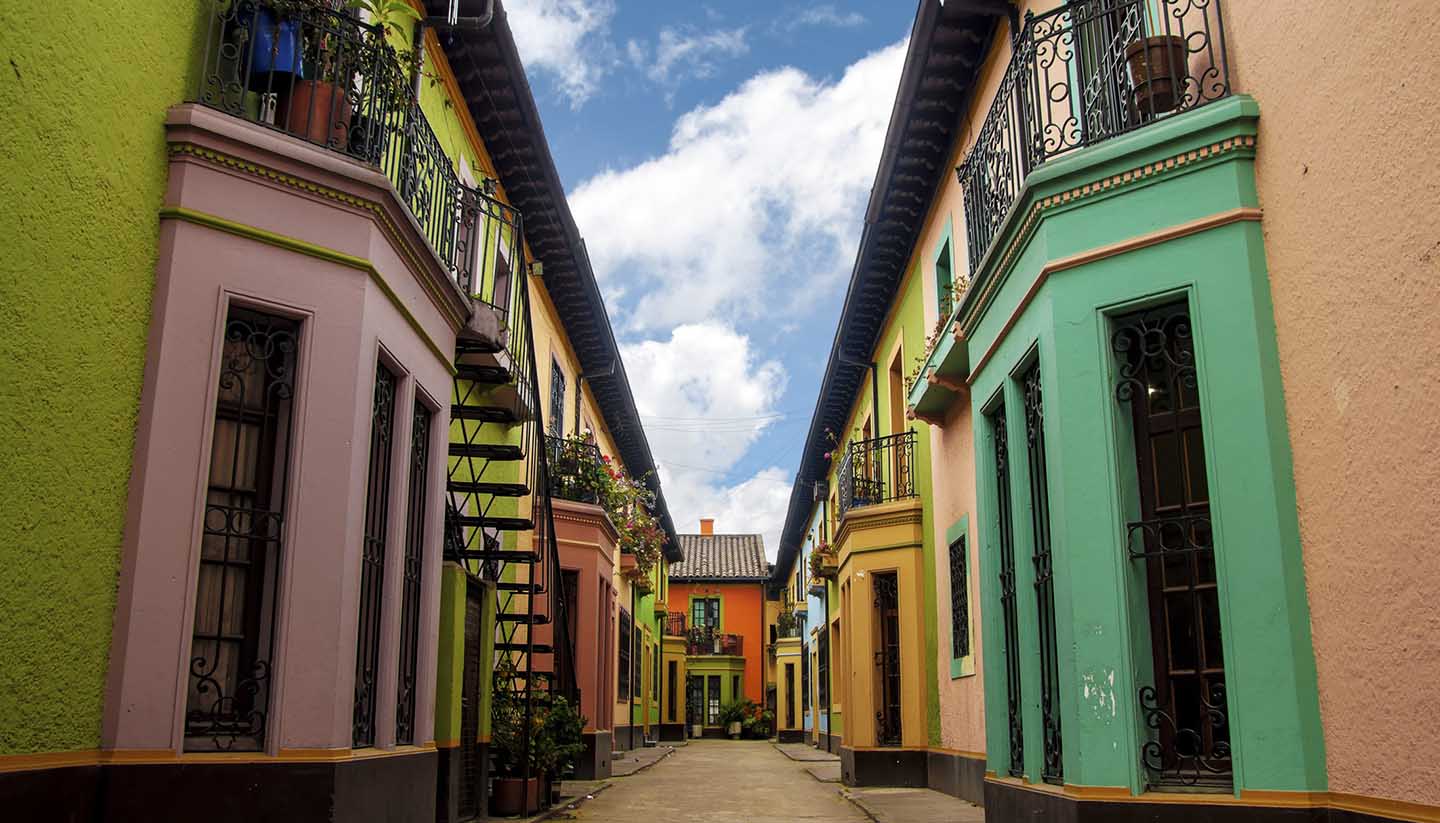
column 732, row 716
column 554, row 740
column 1159, row 69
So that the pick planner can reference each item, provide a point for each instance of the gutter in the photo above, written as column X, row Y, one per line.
column 448, row 24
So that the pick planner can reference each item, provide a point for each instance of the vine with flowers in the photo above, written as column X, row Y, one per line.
column 629, row 502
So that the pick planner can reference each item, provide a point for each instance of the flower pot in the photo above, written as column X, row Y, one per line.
column 1158, row 73
column 276, row 45
column 320, row 113
column 697, row 731
column 512, row 796
column 734, row 730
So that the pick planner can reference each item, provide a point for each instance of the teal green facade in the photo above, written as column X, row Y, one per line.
column 1169, row 212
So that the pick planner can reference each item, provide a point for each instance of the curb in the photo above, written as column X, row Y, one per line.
column 646, row 766
column 857, row 803
column 571, row 806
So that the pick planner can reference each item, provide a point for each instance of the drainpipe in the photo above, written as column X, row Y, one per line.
column 634, row 624
column 874, row 388
column 829, row 658
column 448, row 24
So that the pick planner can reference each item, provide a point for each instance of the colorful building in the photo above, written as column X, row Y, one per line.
column 720, row 585
column 1128, row 419
column 317, row 511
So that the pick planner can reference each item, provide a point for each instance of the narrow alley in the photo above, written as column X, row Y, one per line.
column 752, row 781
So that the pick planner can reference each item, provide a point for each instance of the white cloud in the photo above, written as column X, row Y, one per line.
column 566, row 39
column 685, row 53
column 757, row 196
column 825, row 15
column 705, row 397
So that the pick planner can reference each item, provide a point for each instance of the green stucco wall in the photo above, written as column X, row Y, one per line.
column 82, row 172
column 1100, row 606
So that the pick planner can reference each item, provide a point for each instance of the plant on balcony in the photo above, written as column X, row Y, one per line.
column 785, row 624
column 628, row 502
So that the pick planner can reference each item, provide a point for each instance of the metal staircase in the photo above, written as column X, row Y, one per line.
column 499, row 522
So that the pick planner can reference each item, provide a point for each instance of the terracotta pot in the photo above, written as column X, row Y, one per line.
column 512, row 796
column 1158, row 72
column 320, row 113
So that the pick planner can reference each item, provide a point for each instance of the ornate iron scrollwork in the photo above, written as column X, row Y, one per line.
column 1182, row 754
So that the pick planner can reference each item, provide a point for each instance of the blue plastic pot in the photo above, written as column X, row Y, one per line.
column 275, row 48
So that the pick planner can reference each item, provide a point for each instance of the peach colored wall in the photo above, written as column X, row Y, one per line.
column 740, row 613
column 348, row 322
column 1349, row 187
column 587, row 545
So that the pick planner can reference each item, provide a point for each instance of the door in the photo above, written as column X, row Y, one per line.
column 471, row 765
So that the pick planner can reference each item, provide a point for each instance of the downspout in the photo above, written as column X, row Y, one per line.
column 829, row 666
column 448, row 24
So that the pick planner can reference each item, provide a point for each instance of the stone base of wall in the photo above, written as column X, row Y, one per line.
column 883, row 767
column 956, row 775
column 672, row 732
column 400, row 788
column 790, row 736
column 594, row 762
column 1007, row 802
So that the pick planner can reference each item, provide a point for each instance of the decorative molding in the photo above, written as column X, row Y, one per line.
column 1225, row 218
column 319, row 252
column 377, row 211
column 1094, row 188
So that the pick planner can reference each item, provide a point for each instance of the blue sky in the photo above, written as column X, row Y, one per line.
column 718, row 157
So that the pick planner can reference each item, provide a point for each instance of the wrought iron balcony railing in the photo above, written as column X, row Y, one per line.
column 1080, row 74
column 577, row 469
column 704, row 640
column 675, row 625
column 326, row 77
column 877, row 471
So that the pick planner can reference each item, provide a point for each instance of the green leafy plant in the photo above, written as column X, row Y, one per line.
column 737, row 711
column 757, row 725
column 554, row 729
column 389, row 15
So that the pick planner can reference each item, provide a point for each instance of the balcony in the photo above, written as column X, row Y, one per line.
column 879, row 470
column 327, row 78
column 577, row 469
column 703, row 641
column 1081, row 74
column 675, row 625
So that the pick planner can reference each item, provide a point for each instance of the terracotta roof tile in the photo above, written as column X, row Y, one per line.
column 721, row 556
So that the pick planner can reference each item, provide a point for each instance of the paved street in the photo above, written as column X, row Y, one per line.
column 720, row 781
column 754, row 782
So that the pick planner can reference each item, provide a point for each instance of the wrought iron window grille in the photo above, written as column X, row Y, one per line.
column 1187, row 741
column 1052, row 770
column 237, row 592
column 1008, row 605
column 413, row 569
column 372, row 559
column 959, row 600
column 1080, row 74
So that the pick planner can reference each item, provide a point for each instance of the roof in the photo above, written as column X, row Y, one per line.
column 498, row 97
column 737, row 557
column 948, row 44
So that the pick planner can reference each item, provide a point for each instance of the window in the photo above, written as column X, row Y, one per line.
column 231, row 651
column 1005, row 536
column 556, row 423
column 944, row 297
column 959, row 600
column 1052, row 770
column 415, row 514
column 672, row 672
column 705, row 612
column 655, row 672
column 822, row 669
column 372, row 559
column 712, row 700
column 790, row 695
column 695, row 700
column 624, row 668
column 887, row 658
column 804, row 678
column 735, row 692
column 1173, row 546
